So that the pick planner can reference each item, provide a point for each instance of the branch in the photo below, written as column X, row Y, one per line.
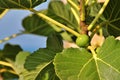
column 55, row 22
column 10, row 37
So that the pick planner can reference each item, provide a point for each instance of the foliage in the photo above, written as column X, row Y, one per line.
column 61, row 22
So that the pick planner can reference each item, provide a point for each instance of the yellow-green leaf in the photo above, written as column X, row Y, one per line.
column 80, row 64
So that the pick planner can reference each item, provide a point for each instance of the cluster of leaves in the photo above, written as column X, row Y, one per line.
column 61, row 22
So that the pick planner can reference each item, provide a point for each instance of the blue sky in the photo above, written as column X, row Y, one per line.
column 11, row 24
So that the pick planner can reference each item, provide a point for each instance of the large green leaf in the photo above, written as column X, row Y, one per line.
column 112, row 15
column 36, row 25
column 69, row 63
column 79, row 64
column 19, row 4
column 10, row 51
column 37, row 61
column 41, row 56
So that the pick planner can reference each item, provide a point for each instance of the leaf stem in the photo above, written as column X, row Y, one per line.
column 5, row 70
column 101, row 32
column 82, row 14
column 3, row 13
column 75, row 10
column 6, row 64
column 86, row 2
column 95, row 30
column 98, row 15
column 91, row 48
column 76, row 15
column 73, row 4
column 54, row 22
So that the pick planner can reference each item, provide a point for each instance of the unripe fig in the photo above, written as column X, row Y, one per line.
column 82, row 40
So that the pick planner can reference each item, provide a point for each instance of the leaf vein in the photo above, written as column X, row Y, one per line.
column 84, row 66
column 108, row 65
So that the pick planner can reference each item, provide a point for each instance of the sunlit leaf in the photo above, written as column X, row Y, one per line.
column 79, row 64
column 69, row 63
column 19, row 4
column 20, row 60
column 112, row 15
